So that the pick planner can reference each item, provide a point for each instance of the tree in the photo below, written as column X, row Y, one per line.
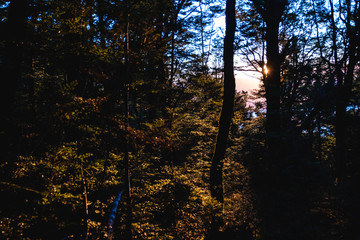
column 344, row 69
column 216, row 185
column 272, row 11
column 14, row 36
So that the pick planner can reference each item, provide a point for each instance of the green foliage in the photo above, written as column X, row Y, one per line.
column 83, row 101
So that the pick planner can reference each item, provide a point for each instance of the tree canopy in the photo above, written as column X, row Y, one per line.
column 120, row 119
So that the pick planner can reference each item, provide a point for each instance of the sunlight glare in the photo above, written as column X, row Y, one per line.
column 266, row 70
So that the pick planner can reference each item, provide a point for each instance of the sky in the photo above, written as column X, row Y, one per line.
column 244, row 80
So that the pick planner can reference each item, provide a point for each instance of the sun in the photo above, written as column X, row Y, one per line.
column 266, row 70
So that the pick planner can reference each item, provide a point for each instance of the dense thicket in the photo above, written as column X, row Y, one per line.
column 109, row 117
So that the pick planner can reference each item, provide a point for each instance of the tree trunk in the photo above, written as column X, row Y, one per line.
column 14, row 37
column 128, row 221
column 86, row 204
column 216, row 184
column 343, row 97
column 345, row 83
column 273, row 220
column 272, row 88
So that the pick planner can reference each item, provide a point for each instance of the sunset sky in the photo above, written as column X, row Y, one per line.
column 246, row 81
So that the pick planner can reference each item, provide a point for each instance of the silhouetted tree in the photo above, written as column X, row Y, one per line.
column 217, row 161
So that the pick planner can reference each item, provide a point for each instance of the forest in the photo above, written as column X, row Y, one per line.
column 122, row 119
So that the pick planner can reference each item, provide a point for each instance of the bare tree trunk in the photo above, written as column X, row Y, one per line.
column 217, row 162
column 86, row 208
column 128, row 223
column 14, row 36
column 273, row 222
column 272, row 89
column 273, row 158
